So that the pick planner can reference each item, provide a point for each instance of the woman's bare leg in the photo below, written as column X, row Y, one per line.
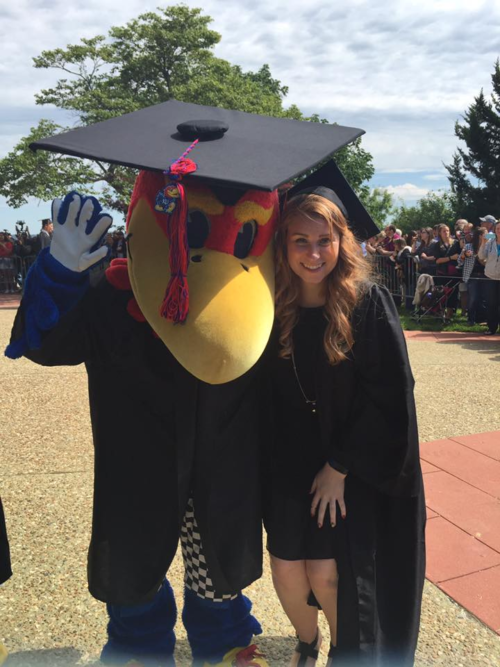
column 323, row 580
column 293, row 588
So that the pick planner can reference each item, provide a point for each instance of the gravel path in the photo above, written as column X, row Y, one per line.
column 47, row 616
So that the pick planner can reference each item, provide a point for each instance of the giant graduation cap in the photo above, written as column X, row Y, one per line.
column 236, row 149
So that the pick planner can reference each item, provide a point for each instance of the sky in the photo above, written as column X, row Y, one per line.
column 403, row 71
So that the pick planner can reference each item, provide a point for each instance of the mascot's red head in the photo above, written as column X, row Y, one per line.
column 229, row 275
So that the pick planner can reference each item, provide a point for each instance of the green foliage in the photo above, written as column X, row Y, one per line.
column 153, row 58
column 380, row 205
column 475, row 170
column 433, row 209
column 44, row 175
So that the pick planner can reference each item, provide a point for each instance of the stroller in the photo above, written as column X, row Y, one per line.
column 432, row 300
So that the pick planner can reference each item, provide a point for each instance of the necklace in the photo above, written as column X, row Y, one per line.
column 309, row 401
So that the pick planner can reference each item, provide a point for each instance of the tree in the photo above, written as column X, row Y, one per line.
column 153, row 58
column 475, row 170
column 434, row 208
column 380, row 205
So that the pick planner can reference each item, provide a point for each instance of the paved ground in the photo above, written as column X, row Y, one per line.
column 462, row 484
column 48, row 618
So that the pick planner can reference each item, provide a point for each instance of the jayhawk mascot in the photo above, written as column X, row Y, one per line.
column 170, row 338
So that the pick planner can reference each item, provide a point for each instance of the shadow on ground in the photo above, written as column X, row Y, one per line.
column 59, row 657
column 277, row 651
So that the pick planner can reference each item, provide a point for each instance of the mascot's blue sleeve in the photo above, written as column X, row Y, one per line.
column 51, row 290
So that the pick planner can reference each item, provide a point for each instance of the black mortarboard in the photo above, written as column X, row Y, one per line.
column 329, row 182
column 236, row 149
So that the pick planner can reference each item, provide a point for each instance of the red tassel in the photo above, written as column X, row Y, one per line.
column 175, row 306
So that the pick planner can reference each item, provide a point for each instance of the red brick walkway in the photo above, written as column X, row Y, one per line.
column 462, row 485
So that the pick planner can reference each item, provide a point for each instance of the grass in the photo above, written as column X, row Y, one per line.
column 458, row 323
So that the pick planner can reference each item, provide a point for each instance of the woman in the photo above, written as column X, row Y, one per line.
column 446, row 251
column 426, row 259
column 345, row 473
column 473, row 274
column 7, row 264
column 489, row 252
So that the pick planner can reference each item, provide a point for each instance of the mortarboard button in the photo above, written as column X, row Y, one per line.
column 203, row 130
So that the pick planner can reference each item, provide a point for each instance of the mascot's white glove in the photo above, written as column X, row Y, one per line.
column 79, row 224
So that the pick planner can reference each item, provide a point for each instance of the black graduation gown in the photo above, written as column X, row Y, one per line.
column 159, row 435
column 5, row 569
column 368, row 424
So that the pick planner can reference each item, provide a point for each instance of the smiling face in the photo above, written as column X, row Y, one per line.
column 312, row 249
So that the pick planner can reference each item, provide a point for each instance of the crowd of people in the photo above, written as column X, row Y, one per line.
column 18, row 252
column 466, row 261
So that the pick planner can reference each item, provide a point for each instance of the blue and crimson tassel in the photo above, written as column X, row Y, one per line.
column 171, row 200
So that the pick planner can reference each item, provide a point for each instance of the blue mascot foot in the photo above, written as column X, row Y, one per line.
column 215, row 629
column 142, row 635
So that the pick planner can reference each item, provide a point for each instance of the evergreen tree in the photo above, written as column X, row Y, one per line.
column 475, row 170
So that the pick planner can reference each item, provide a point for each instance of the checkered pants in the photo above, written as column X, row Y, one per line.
column 196, row 576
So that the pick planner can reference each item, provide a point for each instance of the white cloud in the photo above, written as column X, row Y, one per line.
column 407, row 191
column 403, row 71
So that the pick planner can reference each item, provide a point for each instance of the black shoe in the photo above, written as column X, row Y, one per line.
column 306, row 650
column 489, row 333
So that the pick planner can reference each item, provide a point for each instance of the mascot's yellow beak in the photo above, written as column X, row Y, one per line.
column 231, row 302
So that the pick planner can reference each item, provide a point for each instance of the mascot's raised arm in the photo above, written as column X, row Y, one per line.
column 174, row 334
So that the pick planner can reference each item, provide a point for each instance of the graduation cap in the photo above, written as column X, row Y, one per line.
column 236, row 149
column 234, row 152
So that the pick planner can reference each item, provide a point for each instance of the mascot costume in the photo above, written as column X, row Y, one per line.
column 172, row 339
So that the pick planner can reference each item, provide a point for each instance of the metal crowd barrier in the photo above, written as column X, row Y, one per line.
column 399, row 283
column 402, row 284
column 13, row 272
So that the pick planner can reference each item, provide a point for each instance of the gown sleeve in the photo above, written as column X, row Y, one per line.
column 60, row 316
column 380, row 440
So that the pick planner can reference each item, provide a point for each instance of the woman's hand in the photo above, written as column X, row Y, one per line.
column 328, row 489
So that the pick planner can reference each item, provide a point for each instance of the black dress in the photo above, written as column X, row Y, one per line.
column 293, row 534
column 366, row 422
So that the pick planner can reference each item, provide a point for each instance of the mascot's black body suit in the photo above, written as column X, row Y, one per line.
column 172, row 339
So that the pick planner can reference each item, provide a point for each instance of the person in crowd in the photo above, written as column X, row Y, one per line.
column 23, row 246
column 119, row 249
column 411, row 238
column 405, row 269
column 345, row 448
column 473, row 274
column 488, row 222
column 45, row 236
column 435, row 233
column 446, row 251
column 459, row 228
column 386, row 247
column 423, row 253
column 7, row 273
column 371, row 246
column 489, row 252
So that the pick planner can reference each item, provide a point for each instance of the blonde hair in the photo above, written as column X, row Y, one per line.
column 344, row 287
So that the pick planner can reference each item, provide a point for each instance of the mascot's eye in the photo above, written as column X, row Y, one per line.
column 244, row 240
column 198, row 229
